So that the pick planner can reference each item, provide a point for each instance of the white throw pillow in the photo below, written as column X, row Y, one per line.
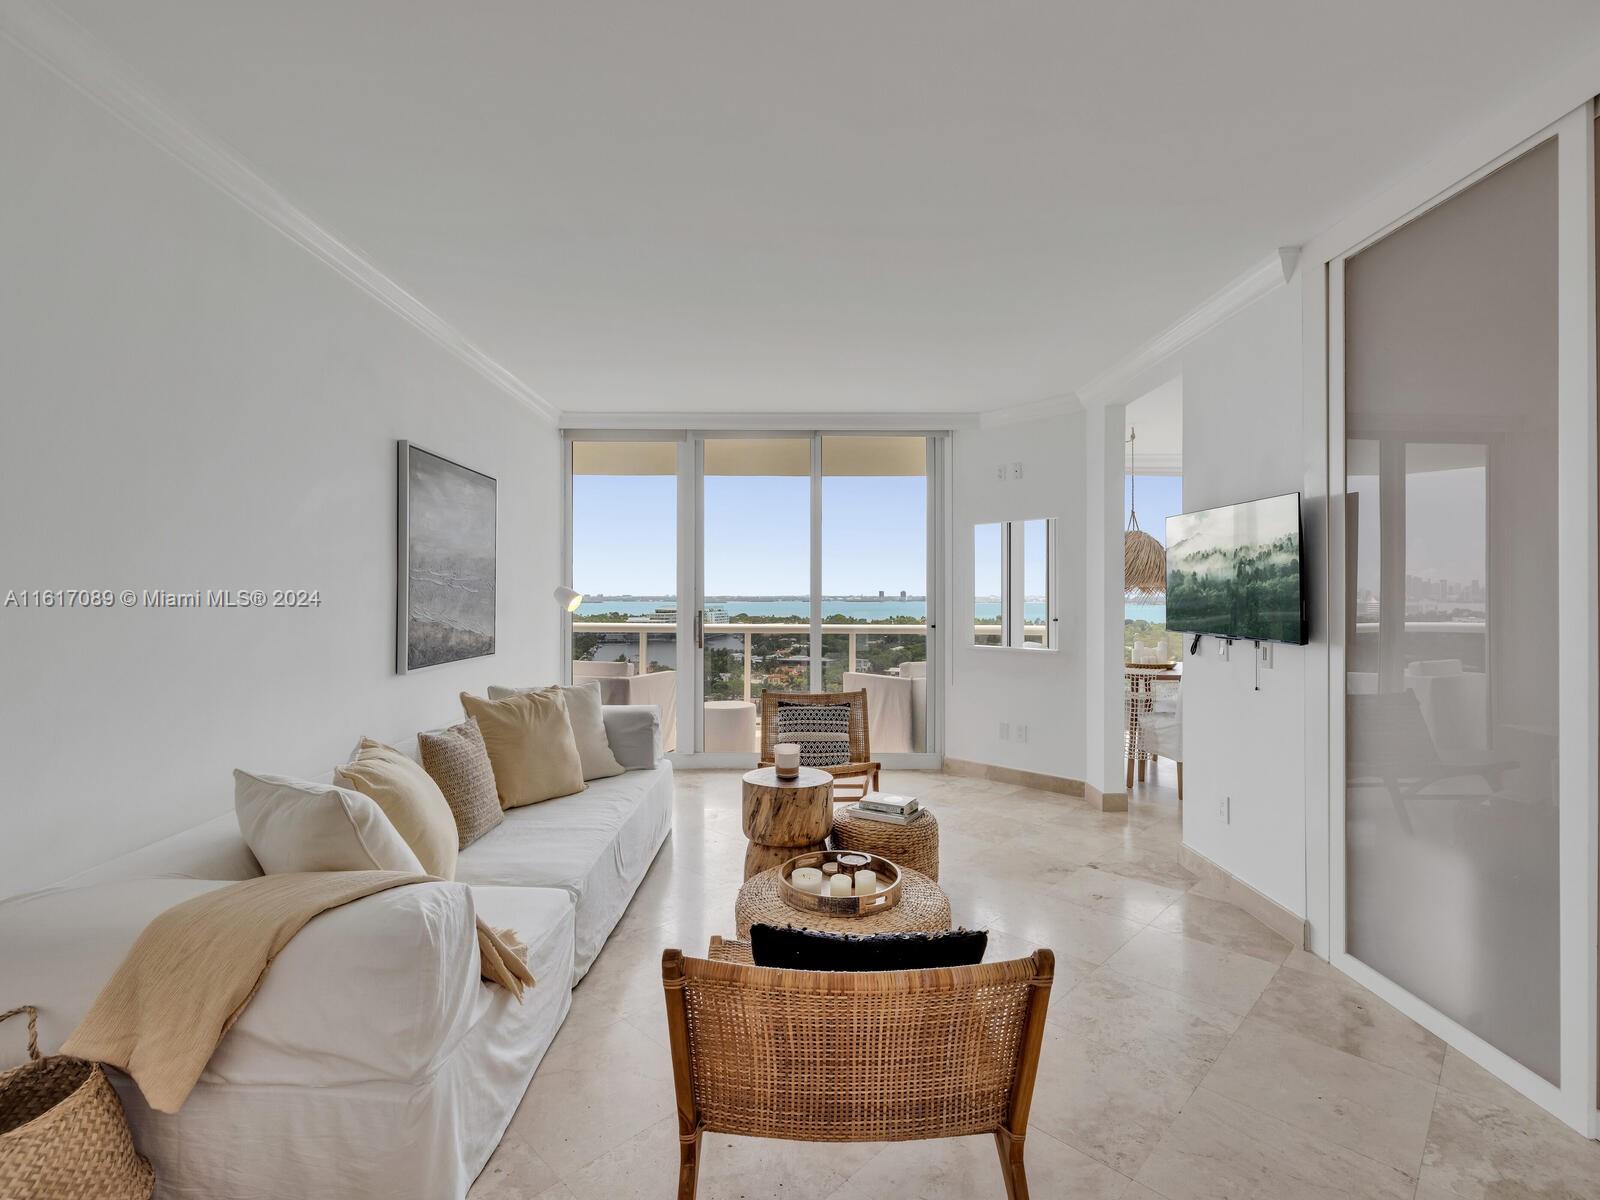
column 295, row 825
column 588, row 726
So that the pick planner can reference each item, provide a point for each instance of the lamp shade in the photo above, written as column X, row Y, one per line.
column 1144, row 565
column 568, row 599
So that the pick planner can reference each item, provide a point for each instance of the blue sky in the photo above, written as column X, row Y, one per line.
column 874, row 533
column 1159, row 497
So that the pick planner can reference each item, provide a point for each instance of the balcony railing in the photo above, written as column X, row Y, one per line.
column 749, row 630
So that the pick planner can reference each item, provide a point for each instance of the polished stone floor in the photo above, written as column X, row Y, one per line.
column 1191, row 1051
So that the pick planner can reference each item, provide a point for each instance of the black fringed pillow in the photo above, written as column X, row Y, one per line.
column 809, row 950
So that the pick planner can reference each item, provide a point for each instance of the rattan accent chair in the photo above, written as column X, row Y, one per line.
column 860, row 773
column 826, row 1056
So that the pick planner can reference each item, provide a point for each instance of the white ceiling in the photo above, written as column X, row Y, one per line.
column 908, row 205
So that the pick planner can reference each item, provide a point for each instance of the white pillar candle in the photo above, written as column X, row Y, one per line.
column 866, row 883
column 786, row 758
column 839, row 885
column 806, row 879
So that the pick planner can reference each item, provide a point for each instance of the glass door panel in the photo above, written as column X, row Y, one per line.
column 625, row 562
column 1452, row 645
column 756, row 582
column 875, row 582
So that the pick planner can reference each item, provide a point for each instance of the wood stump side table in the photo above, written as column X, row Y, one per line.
column 784, row 817
column 915, row 845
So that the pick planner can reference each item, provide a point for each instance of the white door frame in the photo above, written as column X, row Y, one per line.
column 1574, row 1100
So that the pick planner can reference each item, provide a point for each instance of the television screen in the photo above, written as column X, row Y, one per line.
column 1236, row 572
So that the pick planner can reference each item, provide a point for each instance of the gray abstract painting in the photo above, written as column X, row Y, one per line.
column 446, row 561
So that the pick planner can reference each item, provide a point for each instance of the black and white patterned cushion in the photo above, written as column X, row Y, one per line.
column 822, row 731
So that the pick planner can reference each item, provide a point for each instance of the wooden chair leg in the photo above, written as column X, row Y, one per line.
column 1141, row 768
column 688, row 1166
column 1180, row 781
column 1130, row 771
column 1011, row 1168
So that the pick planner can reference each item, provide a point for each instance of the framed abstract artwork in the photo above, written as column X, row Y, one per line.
column 445, row 573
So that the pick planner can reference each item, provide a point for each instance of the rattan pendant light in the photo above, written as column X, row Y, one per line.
column 1144, row 560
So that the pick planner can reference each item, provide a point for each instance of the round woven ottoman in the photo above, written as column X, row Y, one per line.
column 915, row 845
column 923, row 908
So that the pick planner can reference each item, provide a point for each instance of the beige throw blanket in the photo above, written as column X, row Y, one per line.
column 195, row 967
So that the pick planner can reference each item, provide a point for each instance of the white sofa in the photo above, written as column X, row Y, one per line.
column 373, row 1061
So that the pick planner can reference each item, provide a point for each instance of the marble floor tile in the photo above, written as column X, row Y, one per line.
column 1199, row 970
column 1220, row 1150
column 1337, row 1011
column 1374, row 1110
column 968, row 1168
column 514, row 1172
column 1119, row 1059
column 1140, row 860
column 1039, row 917
column 1133, row 899
column 731, row 1168
column 1203, row 919
column 1487, row 1142
column 594, row 1091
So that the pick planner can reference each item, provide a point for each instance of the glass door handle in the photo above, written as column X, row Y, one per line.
column 699, row 630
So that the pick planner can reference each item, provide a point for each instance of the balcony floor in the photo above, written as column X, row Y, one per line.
column 1192, row 1052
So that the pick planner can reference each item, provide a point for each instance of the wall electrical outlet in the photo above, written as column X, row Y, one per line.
column 1005, row 731
column 1016, row 470
column 1022, row 733
column 1225, row 810
column 1000, row 471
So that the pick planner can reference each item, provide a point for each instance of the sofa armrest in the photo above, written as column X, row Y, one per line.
column 634, row 733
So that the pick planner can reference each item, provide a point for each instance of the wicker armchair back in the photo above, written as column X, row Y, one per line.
column 842, row 1057
column 860, row 772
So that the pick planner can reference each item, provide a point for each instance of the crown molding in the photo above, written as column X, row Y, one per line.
column 801, row 422
column 60, row 44
column 1113, row 385
column 1034, row 410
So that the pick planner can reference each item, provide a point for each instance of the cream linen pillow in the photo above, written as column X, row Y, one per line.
column 530, row 744
column 588, row 726
column 294, row 825
column 410, row 799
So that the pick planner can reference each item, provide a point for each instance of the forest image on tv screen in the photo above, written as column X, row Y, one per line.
column 1235, row 571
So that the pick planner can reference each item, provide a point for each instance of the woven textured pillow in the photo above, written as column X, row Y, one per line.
column 815, row 950
column 459, row 764
column 822, row 731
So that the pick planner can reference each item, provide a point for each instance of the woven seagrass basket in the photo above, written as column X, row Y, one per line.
column 63, row 1135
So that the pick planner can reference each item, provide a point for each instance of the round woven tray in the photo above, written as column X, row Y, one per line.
column 923, row 908
column 915, row 845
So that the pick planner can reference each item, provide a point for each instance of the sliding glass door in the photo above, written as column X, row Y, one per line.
column 1462, row 517
column 719, row 566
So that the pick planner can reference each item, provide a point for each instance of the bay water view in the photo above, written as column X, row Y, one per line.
column 856, row 608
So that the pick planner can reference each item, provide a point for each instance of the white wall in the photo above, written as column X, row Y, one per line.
column 192, row 401
column 1241, row 441
column 1042, row 690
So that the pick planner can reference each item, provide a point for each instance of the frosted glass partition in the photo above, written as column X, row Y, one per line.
column 1453, row 637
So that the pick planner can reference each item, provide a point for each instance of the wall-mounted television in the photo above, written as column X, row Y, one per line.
column 1238, row 571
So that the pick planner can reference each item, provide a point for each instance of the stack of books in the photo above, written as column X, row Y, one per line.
column 888, row 808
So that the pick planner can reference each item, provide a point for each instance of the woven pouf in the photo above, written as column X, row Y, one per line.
column 923, row 908
column 915, row 845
